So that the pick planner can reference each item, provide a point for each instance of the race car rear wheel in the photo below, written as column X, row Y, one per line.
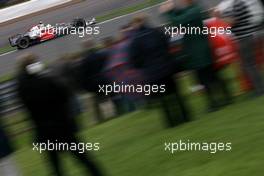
column 23, row 43
column 79, row 22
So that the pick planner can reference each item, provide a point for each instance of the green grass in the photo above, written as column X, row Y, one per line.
column 134, row 144
column 6, row 77
column 127, row 10
column 6, row 49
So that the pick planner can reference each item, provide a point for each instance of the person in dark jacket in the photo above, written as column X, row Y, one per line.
column 196, row 47
column 149, row 53
column 119, row 70
column 91, row 67
column 7, row 166
column 91, row 74
column 66, row 69
column 5, row 148
column 48, row 102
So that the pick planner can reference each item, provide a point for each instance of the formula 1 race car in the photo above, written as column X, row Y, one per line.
column 43, row 32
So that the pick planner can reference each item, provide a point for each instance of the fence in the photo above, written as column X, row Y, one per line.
column 8, row 97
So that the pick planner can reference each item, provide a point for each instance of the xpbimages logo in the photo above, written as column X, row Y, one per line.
column 145, row 89
column 66, row 29
column 173, row 31
column 211, row 147
column 63, row 146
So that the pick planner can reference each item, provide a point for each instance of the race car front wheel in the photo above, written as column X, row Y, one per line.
column 23, row 43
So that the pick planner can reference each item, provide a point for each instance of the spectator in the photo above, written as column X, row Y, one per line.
column 91, row 67
column 7, row 166
column 196, row 47
column 66, row 70
column 149, row 53
column 262, row 1
column 119, row 70
column 48, row 102
column 91, row 73
column 246, row 18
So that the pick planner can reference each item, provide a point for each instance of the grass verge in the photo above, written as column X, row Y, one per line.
column 6, row 49
column 127, row 10
column 134, row 144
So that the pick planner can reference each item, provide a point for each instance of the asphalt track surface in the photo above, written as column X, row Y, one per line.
column 51, row 50
column 85, row 9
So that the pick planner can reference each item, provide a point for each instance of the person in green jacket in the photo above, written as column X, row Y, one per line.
column 189, row 19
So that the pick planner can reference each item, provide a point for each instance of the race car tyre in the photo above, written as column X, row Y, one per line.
column 79, row 22
column 23, row 43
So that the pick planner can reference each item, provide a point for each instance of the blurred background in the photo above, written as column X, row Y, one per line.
column 214, row 87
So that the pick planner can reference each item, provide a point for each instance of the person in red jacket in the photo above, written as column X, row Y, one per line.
column 225, row 49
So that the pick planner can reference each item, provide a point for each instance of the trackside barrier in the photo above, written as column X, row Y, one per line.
column 8, row 97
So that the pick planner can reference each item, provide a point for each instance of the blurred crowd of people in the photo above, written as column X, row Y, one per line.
column 140, row 54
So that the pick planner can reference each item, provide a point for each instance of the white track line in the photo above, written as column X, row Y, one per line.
column 8, row 53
